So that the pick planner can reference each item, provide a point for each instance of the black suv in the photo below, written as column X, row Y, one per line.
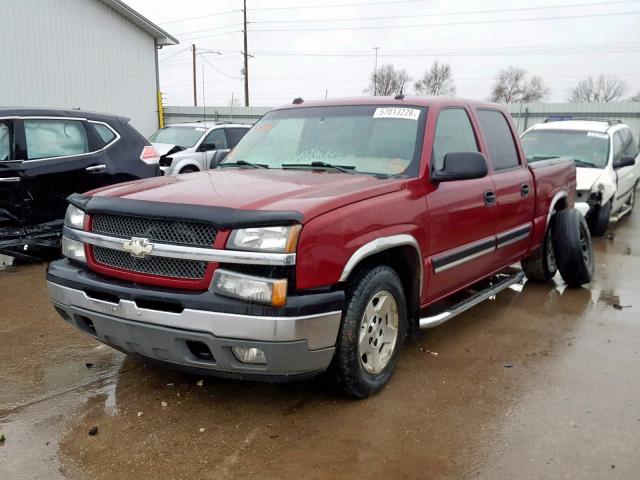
column 46, row 155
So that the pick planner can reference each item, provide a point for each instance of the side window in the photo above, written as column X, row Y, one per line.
column 215, row 140
column 55, row 138
column 629, row 143
column 104, row 132
column 502, row 147
column 5, row 141
column 454, row 133
column 234, row 135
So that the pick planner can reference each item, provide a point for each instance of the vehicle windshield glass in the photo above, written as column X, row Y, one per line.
column 587, row 149
column 185, row 137
column 369, row 139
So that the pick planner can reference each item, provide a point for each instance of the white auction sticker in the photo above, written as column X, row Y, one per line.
column 397, row 112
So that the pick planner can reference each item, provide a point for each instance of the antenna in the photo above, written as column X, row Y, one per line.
column 204, row 103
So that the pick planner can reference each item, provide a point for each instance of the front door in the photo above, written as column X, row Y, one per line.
column 624, row 146
column 215, row 140
column 462, row 213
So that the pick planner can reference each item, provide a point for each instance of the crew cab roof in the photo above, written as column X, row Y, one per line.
column 58, row 112
column 404, row 101
column 580, row 125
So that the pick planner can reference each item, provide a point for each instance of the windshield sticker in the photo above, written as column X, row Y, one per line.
column 597, row 134
column 397, row 112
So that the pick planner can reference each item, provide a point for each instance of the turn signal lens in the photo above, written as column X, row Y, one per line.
column 253, row 289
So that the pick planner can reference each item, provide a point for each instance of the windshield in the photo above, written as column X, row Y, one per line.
column 364, row 139
column 185, row 137
column 587, row 149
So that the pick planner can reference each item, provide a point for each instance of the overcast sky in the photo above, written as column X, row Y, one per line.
column 307, row 47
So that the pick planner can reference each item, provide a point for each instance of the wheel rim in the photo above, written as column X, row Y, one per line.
column 378, row 332
column 551, row 256
column 584, row 246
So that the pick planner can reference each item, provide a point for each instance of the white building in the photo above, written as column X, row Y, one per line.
column 96, row 55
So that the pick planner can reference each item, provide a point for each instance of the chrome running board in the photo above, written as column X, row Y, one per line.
column 616, row 218
column 504, row 281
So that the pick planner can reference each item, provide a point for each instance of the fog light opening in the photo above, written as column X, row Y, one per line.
column 200, row 350
column 251, row 355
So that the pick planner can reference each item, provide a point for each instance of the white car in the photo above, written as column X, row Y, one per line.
column 607, row 164
column 197, row 146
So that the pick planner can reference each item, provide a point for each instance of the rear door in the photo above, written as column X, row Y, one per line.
column 514, row 188
column 462, row 215
column 625, row 146
column 10, row 176
column 61, row 157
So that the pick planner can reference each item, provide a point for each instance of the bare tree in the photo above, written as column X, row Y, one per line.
column 387, row 81
column 438, row 80
column 512, row 85
column 598, row 89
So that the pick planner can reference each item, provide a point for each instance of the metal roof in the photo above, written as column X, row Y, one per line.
column 163, row 38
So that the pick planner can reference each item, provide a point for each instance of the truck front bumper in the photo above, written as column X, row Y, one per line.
column 197, row 331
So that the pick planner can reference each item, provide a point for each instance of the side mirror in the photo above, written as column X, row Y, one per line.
column 626, row 161
column 205, row 147
column 461, row 166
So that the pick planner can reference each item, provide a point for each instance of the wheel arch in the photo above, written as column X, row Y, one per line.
column 560, row 201
column 402, row 253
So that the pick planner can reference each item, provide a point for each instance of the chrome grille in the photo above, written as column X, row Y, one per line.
column 165, row 267
column 156, row 230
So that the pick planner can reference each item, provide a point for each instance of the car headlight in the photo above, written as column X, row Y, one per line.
column 247, row 287
column 73, row 249
column 265, row 239
column 74, row 217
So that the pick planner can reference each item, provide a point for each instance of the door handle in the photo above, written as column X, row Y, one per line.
column 96, row 168
column 489, row 198
column 524, row 190
column 9, row 179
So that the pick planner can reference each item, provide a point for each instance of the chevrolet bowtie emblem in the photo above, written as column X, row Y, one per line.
column 138, row 247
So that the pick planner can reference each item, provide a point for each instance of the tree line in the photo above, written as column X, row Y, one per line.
column 511, row 85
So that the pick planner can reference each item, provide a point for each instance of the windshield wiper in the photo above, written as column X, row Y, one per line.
column 243, row 163
column 322, row 165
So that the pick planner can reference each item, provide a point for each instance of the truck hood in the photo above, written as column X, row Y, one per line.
column 311, row 193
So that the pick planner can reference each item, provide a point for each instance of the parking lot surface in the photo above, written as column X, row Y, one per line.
column 542, row 383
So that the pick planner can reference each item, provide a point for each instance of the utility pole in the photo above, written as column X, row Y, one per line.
column 375, row 73
column 195, row 92
column 246, row 58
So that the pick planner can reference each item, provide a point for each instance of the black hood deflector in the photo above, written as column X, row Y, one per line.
column 221, row 217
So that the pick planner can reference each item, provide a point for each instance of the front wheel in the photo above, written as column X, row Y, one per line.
column 372, row 331
column 599, row 219
column 572, row 245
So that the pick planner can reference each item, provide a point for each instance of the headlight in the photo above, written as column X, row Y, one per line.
column 73, row 249
column 265, row 239
column 74, row 217
column 247, row 287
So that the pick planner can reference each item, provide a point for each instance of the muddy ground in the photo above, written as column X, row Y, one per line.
column 544, row 383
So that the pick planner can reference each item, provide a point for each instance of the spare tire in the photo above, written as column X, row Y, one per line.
column 573, row 249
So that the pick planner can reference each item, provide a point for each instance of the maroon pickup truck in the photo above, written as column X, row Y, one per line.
column 327, row 233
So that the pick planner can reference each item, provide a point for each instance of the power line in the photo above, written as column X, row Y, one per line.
column 217, row 69
column 470, row 12
column 334, row 5
column 472, row 22
column 198, row 17
column 174, row 55
column 222, row 27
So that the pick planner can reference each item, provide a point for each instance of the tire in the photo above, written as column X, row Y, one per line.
column 599, row 219
column 358, row 371
column 573, row 249
column 542, row 266
column 189, row 169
